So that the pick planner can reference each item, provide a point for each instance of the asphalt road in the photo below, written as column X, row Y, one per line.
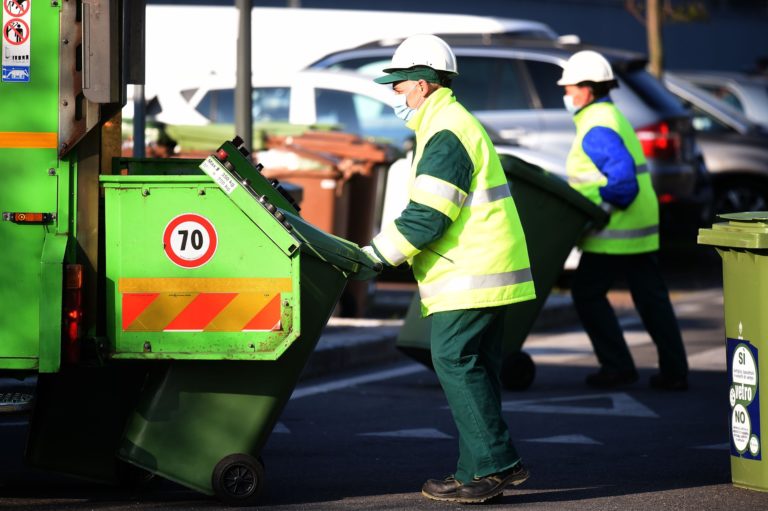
column 368, row 439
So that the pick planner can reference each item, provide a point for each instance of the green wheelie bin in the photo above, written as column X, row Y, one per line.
column 742, row 242
column 219, row 285
column 554, row 216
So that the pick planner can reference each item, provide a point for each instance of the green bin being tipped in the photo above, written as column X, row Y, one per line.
column 742, row 242
column 554, row 216
column 218, row 285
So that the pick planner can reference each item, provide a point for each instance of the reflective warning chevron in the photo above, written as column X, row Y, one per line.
column 202, row 305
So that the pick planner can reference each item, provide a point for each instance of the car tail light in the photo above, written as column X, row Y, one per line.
column 73, row 312
column 659, row 141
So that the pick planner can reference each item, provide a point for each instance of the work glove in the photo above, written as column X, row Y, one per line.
column 371, row 269
column 371, row 253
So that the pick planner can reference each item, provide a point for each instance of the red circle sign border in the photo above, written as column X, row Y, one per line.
column 207, row 225
column 5, row 31
column 5, row 6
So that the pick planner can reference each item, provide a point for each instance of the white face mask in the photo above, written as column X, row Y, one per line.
column 568, row 102
column 400, row 105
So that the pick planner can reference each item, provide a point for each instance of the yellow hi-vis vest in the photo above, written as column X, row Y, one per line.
column 482, row 259
column 632, row 230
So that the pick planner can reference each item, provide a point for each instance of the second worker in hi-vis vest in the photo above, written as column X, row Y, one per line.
column 462, row 236
column 607, row 165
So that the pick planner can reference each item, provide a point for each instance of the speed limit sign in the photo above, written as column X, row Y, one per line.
column 190, row 240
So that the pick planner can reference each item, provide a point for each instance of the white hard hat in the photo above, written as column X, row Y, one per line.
column 424, row 50
column 586, row 66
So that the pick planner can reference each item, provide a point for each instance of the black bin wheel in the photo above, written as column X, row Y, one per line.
column 518, row 371
column 238, row 480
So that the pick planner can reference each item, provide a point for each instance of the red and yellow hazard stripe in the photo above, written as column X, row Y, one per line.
column 28, row 140
column 202, row 305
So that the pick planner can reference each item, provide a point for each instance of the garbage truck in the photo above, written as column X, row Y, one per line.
column 164, row 308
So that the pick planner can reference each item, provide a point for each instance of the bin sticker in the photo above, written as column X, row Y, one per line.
column 190, row 240
column 214, row 169
column 744, row 399
column 17, row 33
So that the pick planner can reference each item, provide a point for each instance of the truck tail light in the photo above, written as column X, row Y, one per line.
column 659, row 141
column 73, row 312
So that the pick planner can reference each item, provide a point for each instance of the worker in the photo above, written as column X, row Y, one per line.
column 461, row 233
column 607, row 165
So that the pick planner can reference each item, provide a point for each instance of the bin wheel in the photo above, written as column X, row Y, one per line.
column 518, row 371
column 238, row 480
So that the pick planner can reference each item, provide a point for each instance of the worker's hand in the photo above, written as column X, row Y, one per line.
column 371, row 268
column 371, row 253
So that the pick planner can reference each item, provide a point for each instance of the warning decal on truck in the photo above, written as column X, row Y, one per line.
column 744, row 399
column 17, row 33
column 202, row 305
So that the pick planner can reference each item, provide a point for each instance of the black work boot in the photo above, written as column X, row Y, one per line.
column 442, row 489
column 485, row 488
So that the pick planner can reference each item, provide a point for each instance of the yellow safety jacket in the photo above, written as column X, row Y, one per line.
column 482, row 259
column 632, row 230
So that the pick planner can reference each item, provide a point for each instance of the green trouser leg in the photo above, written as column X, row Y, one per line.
column 467, row 354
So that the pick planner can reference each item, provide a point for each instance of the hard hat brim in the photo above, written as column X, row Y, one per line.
column 415, row 73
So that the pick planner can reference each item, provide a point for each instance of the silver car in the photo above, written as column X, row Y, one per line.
column 746, row 93
column 511, row 86
column 735, row 149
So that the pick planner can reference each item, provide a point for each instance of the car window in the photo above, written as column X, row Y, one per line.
column 706, row 123
column 269, row 104
column 544, row 76
column 724, row 95
column 359, row 114
column 486, row 83
column 651, row 91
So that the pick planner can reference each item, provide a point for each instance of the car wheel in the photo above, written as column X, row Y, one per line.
column 737, row 195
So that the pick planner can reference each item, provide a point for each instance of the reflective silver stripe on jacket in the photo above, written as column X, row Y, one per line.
column 591, row 177
column 626, row 234
column 470, row 282
column 433, row 185
column 489, row 195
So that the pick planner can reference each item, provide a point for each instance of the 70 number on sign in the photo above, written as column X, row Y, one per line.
column 190, row 240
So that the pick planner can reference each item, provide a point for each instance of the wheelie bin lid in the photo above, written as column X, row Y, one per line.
column 747, row 229
column 518, row 169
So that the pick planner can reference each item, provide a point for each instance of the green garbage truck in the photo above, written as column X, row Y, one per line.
column 165, row 308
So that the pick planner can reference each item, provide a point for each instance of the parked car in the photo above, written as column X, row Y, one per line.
column 510, row 85
column 346, row 101
column 735, row 149
column 747, row 93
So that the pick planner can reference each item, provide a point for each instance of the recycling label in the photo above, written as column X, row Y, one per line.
column 744, row 399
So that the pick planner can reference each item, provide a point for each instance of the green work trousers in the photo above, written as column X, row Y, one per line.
column 467, row 355
column 594, row 277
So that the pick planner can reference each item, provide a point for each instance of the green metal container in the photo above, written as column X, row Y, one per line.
column 742, row 242
column 233, row 293
column 554, row 216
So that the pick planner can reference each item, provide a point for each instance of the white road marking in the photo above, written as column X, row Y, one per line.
column 427, row 433
column 322, row 388
column 718, row 447
column 710, row 360
column 281, row 428
column 565, row 439
column 622, row 405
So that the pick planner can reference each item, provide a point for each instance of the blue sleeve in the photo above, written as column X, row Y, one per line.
column 607, row 151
